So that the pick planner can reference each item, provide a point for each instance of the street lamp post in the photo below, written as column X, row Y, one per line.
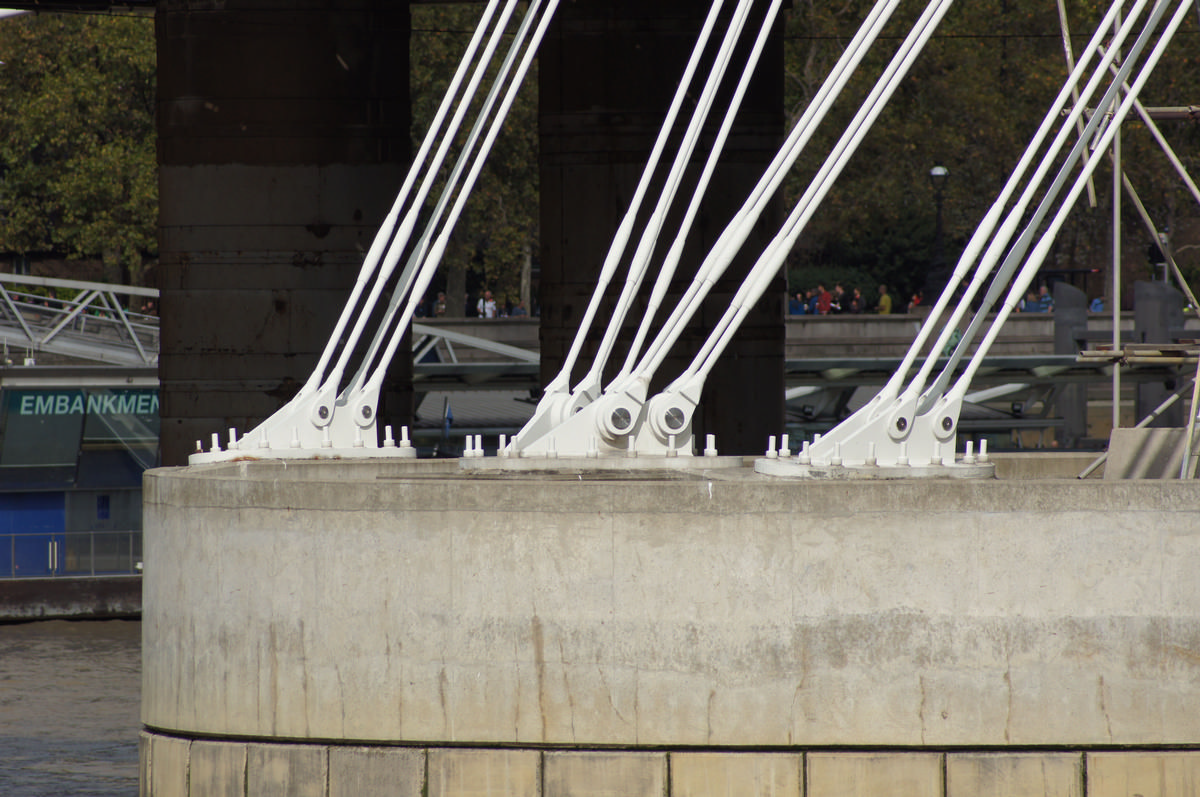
column 937, row 278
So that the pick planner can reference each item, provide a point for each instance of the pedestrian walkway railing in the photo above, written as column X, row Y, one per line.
column 115, row 324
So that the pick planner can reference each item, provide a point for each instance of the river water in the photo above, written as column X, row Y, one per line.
column 69, row 694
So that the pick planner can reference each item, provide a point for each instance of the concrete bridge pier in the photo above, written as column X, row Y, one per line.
column 375, row 628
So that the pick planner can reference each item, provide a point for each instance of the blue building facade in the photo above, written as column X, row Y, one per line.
column 71, row 463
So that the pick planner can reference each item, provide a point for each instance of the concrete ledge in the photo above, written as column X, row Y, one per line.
column 333, row 771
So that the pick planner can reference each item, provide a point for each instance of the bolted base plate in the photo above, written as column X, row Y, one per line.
column 790, row 468
column 618, row 462
column 254, row 452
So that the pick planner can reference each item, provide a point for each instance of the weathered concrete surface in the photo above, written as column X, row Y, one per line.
column 484, row 773
column 605, row 774
column 1014, row 775
column 168, row 766
column 388, row 602
column 1163, row 775
column 876, row 774
column 358, row 771
column 217, row 769
column 287, row 770
column 745, row 775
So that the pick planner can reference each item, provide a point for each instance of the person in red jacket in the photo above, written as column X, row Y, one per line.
column 824, row 300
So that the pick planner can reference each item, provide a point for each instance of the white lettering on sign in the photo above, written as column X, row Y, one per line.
column 96, row 404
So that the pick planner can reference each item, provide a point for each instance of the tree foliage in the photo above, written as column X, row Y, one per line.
column 77, row 145
column 497, row 235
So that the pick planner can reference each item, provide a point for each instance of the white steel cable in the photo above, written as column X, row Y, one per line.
column 1000, row 243
column 557, row 391
column 417, row 255
column 400, row 243
column 296, row 413
column 383, row 236
column 675, row 253
column 366, row 398
column 561, row 382
column 649, row 239
column 738, row 229
column 1069, row 54
column 1018, row 251
column 1042, row 250
column 1165, row 145
column 993, row 217
column 768, row 263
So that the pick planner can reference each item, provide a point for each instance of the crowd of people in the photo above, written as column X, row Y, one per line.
column 1038, row 302
column 814, row 301
column 820, row 301
column 485, row 307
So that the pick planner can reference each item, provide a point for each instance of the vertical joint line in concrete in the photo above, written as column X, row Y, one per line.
column 945, row 775
column 541, row 773
column 804, row 774
column 1083, row 774
column 667, row 776
column 425, row 772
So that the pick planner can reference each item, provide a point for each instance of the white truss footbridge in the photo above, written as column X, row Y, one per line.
column 83, row 320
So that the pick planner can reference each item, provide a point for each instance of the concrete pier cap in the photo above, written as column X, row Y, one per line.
column 299, row 613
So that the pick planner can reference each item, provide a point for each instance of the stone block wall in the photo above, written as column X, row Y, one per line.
column 175, row 767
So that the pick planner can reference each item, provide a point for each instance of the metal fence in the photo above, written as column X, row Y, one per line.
column 70, row 555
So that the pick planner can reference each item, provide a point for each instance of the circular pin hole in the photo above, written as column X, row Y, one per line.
column 621, row 419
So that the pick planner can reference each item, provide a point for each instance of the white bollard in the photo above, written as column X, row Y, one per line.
column 771, row 452
column 710, row 445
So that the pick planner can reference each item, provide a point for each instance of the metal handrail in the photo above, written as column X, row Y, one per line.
column 59, row 561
